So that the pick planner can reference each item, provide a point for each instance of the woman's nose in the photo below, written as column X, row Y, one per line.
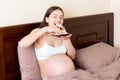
column 58, row 20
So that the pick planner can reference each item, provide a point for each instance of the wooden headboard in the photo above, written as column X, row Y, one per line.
column 86, row 31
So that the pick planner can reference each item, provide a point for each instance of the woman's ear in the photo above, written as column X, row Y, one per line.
column 46, row 19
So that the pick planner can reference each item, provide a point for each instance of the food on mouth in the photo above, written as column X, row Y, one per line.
column 64, row 33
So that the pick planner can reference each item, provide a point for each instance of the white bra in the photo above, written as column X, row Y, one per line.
column 46, row 51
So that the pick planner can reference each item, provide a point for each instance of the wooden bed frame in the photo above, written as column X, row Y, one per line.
column 86, row 31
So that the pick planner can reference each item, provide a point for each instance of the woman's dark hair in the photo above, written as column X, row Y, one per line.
column 47, row 14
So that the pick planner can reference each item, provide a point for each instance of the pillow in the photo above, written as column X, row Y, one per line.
column 95, row 56
column 29, row 67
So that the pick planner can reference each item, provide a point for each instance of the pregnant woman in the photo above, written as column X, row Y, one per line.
column 54, row 53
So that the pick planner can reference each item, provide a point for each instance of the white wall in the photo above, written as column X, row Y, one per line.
column 115, row 7
column 13, row 12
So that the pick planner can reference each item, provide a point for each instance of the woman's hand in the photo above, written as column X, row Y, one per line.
column 53, row 29
column 66, row 37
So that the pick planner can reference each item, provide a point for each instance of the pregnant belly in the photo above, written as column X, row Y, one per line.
column 56, row 65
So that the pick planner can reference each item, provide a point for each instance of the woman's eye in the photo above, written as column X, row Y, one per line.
column 61, row 17
column 54, row 16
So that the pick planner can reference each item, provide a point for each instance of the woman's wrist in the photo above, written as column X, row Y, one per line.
column 45, row 29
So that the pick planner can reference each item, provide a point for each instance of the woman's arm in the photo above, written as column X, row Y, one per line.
column 32, row 37
column 71, row 52
column 36, row 34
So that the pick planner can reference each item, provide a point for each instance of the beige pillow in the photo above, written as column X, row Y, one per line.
column 95, row 56
column 28, row 64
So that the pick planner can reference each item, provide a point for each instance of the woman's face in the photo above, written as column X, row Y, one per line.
column 56, row 17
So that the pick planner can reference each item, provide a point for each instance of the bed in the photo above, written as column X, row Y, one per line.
column 87, row 30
